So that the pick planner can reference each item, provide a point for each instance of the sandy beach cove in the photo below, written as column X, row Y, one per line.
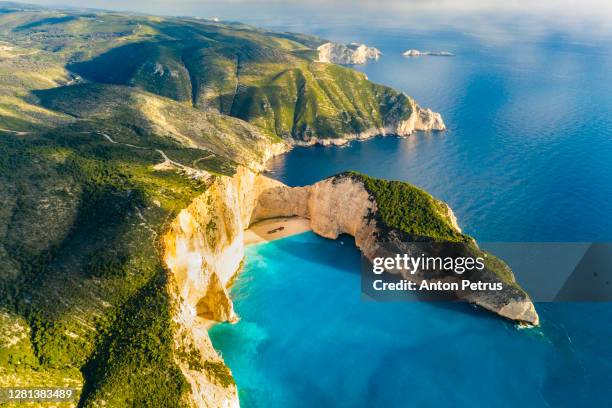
column 275, row 228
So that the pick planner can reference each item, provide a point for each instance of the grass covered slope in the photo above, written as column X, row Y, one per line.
column 280, row 89
column 270, row 80
column 157, row 121
column 110, row 124
column 82, row 283
column 411, row 210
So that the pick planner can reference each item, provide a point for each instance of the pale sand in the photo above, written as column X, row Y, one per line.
column 261, row 231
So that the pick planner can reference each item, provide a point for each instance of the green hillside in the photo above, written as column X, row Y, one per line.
column 79, row 223
column 109, row 125
column 146, row 119
column 422, row 218
column 279, row 89
column 267, row 79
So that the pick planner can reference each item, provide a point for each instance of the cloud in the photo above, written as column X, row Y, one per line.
column 567, row 7
column 586, row 15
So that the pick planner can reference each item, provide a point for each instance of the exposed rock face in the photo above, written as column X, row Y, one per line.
column 215, row 304
column 417, row 53
column 350, row 54
column 358, row 217
column 420, row 120
column 270, row 151
column 204, row 249
column 403, row 120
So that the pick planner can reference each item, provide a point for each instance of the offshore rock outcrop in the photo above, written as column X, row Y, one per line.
column 417, row 53
column 204, row 249
column 350, row 54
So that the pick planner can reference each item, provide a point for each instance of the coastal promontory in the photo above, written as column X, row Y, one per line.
column 131, row 156
column 349, row 54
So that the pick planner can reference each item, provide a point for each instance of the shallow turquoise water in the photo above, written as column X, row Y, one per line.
column 528, row 157
column 306, row 339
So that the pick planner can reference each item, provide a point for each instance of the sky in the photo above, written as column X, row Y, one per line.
column 588, row 16
column 585, row 9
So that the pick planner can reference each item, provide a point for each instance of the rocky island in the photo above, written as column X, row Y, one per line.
column 125, row 195
column 417, row 53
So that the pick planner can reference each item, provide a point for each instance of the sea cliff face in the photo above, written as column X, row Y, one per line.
column 203, row 250
column 360, row 218
column 347, row 54
column 404, row 118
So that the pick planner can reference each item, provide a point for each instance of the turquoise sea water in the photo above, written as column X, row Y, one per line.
column 528, row 157
column 306, row 339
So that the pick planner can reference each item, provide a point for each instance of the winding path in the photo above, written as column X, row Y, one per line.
column 167, row 163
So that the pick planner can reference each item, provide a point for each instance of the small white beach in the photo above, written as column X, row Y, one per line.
column 275, row 228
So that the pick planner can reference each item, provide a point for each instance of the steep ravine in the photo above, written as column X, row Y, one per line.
column 204, row 249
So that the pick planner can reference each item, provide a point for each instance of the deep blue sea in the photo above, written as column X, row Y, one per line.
column 527, row 157
column 528, row 151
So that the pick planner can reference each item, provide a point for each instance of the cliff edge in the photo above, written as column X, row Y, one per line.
column 351, row 54
column 203, row 250
column 387, row 218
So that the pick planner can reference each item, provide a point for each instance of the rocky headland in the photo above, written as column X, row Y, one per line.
column 349, row 54
column 404, row 118
column 204, row 248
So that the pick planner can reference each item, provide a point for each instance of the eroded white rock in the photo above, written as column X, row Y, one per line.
column 350, row 54
column 417, row 53
column 203, row 249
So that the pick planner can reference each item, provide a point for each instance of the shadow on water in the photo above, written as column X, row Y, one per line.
column 347, row 252
column 348, row 259
column 413, row 346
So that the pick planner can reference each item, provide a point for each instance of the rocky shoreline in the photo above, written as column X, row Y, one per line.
column 204, row 249
column 350, row 54
column 420, row 120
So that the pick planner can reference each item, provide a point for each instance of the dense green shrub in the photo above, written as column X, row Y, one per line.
column 416, row 213
column 411, row 210
column 133, row 365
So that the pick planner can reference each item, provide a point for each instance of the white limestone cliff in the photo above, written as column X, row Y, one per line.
column 203, row 250
column 417, row 119
column 350, row 54
column 321, row 203
column 421, row 119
